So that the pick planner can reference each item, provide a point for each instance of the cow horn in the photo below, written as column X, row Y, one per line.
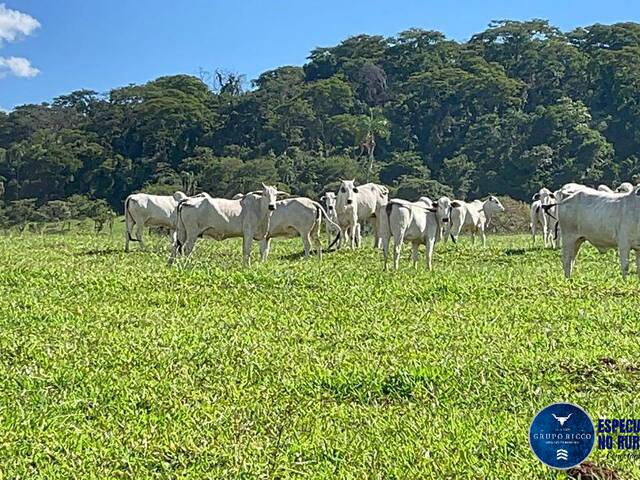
column 280, row 192
column 257, row 192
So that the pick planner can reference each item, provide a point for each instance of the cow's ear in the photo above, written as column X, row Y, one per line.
column 455, row 204
column 535, row 197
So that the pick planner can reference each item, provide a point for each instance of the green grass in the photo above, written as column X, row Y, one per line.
column 115, row 365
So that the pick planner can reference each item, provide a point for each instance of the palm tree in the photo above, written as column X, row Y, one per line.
column 369, row 127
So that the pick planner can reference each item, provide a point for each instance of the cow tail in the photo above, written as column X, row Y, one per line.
column 320, row 211
column 180, row 228
column 128, row 217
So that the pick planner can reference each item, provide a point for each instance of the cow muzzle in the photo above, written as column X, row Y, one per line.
column 272, row 207
column 445, row 220
column 330, row 208
column 349, row 202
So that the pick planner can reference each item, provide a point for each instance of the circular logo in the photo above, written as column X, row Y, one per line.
column 561, row 435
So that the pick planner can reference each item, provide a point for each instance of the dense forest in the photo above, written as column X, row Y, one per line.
column 518, row 106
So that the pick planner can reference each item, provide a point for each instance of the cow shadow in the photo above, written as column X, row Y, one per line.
column 100, row 252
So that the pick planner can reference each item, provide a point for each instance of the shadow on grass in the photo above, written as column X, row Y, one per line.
column 515, row 251
column 100, row 252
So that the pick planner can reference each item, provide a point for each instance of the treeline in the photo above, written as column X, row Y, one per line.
column 518, row 106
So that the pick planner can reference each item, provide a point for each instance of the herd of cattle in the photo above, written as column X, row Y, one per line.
column 573, row 214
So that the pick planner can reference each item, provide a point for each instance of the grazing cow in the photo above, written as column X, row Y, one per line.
column 142, row 209
column 329, row 200
column 625, row 187
column 606, row 220
column 473, row 217
column 413, row 222
column 298, row 216
column 220, row 218
column 358, row 205
column 544, row 218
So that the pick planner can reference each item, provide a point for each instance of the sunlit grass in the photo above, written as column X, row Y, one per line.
column 115, row 365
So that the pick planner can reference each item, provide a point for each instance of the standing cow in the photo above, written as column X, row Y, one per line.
column 219, row 218
column 606, row 220
column 332, row 227
column 142, row 209
column 542, row 217
column 473, row 217
column 359, row 204
column 410, row 222
column 293, row 217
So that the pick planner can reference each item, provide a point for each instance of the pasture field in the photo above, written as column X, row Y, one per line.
column 114, row 365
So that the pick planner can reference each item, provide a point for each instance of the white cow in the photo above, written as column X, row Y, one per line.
column 410, row 222
column 473, row 217
column 606, row 220
column 604, row 188
column 359, row 204
column 142, row 209
column 443, row 216
column 332, row 229
column 293, row 217
column 544, row 218
column 220, row 218
column 625, row 187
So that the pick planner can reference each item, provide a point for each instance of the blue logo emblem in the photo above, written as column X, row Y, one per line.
column 561, row 435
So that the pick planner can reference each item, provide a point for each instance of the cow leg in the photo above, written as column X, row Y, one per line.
column 430, row 243
column 139, row 232
column 397, row 248
column 247, row 240
column 306, row 243
column 315, row 237
column 126, row 238
column 415, row 253
column 265, row 247
column 570, row 247
column 623, row 253
column 385, row 249
column 358, row 235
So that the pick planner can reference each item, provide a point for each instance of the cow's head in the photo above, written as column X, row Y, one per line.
column 268, row 196
column 179, row 196
column 625, row 187
column 493, row 205
column 544, row 195
column 347, row 192
column 443, row 210
column 329, row 200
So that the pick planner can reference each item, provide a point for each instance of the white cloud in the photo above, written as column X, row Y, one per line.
column 14, row 24
column 17, row 66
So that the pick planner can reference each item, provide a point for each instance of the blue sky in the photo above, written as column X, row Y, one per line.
column 99, row 45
